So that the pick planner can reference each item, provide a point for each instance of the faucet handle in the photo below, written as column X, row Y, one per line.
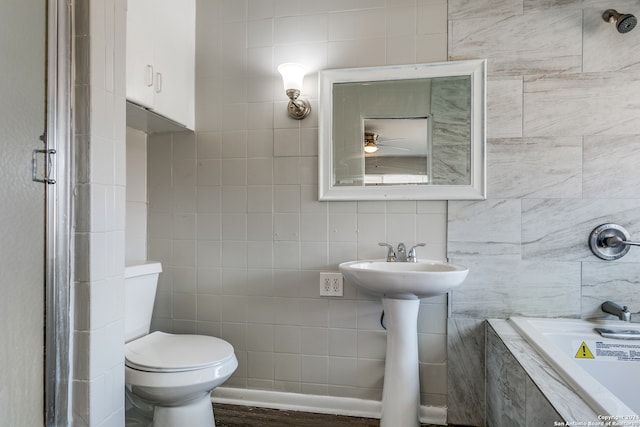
column 411, row 256
column 391, row 253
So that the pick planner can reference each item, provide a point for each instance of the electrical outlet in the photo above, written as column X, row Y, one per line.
column 330, row 284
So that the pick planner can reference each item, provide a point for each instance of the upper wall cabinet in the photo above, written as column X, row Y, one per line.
column 161, row 57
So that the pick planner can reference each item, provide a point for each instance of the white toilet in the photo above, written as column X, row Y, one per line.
column 173, row 374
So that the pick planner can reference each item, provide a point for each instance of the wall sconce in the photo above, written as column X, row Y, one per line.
column 292, row 77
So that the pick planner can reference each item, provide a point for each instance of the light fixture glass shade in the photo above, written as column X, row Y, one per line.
column 292, row 75
column 370, row 147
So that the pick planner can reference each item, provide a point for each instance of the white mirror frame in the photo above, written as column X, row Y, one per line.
column 476, row 190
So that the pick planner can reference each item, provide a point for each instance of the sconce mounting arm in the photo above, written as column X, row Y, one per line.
column 298, row 108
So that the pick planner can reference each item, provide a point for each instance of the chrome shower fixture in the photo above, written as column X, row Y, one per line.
column 610, row 241
column 624, row 22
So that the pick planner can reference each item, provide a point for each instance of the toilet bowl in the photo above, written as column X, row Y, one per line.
column 176, row 374
column 171, row 373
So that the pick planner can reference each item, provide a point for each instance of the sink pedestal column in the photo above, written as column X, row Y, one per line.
column 401, row 389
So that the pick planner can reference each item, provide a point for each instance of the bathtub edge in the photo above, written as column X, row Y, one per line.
column 560, row 395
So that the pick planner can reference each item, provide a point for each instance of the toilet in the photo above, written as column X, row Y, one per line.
column 169, row 375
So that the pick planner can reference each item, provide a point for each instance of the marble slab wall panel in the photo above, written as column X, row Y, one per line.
column 538, row 411
column 466, row 9
column 499, row 288
column 466, row 371
column 610, row 168
column 504, row 108
column 559, row 229
column 451, row 129
column 543, row 42
column 605, row 280
column 562, row 402
column 506, row 385
column 563, row 97
column 582, row 104
column 546, row 395
column 600, row 5
column 490, row 228
column 535, row 168
column 537, row 5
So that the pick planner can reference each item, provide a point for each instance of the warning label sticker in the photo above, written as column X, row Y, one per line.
column 600, row 350
column 584, row 352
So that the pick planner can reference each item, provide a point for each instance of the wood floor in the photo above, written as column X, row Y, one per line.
column 243, row 416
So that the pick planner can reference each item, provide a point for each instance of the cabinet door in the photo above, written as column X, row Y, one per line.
column 175, row 60
column 140, row 52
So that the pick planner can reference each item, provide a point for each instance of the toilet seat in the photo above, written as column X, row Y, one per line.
column 163, row 352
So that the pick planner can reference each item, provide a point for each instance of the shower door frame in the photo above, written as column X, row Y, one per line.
column 59, row 245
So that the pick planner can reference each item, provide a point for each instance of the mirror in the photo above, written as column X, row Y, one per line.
column 410, row 132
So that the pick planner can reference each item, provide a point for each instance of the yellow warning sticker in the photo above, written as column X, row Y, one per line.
column 584, row 352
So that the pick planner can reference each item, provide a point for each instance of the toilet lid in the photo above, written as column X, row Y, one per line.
column 160, row 351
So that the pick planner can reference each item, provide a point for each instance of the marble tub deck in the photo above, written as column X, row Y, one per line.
column 557, row 392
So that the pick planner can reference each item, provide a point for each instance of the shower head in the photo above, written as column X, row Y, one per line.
column 623, row 22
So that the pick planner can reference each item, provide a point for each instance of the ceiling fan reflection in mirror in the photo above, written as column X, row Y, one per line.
column 372, row 143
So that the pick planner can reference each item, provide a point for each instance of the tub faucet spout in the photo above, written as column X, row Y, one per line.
column 621, row 313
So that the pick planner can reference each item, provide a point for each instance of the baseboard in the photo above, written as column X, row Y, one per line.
column 317, row 404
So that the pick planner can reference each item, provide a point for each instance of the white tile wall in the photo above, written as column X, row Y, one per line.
column 236, row 208
column 233, row 212
column 136, row 208
column 98, row 374
column 241, row 121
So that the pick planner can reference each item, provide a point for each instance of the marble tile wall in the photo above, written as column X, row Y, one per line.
column 465, row 340
column 563, row 102
column 506, row 385
column 451, row 129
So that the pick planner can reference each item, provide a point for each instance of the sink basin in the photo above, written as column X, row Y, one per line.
column 404, row 280
column 401, row 285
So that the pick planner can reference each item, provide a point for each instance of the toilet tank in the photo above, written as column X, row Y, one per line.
column 140, row 283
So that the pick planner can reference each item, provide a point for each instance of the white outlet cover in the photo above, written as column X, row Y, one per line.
column 331, row 284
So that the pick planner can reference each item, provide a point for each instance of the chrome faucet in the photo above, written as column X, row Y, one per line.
column 391, row 253
column 402, row 254
column 411, row 256
column 621, row 313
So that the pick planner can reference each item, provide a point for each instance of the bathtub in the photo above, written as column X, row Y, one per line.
column 604, row 372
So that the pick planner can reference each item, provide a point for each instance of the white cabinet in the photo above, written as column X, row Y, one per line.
column 161, row 57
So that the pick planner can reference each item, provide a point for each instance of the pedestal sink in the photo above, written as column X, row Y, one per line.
column 401, row 285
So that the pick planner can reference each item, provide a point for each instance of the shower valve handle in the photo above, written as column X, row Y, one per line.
column 615, row 241
column 610, row 241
